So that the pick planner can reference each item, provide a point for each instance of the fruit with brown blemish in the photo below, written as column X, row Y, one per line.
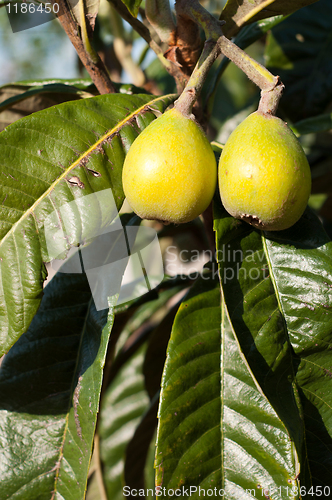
column 264, row 175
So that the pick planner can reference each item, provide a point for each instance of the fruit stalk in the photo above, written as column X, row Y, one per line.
column 216, row 44
column 254, row 71
column 269, row 100
column 196, row 81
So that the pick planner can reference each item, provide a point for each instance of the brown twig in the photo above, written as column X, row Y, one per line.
column 96, row 70
column 173, row 66
column 186, row 38
column 215, row 45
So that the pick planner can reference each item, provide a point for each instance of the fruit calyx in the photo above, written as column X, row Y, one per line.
column 253, row 220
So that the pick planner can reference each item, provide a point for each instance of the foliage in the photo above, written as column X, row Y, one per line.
column 219, row 376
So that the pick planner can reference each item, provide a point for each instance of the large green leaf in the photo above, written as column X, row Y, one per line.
column 23, row 98
column 258, row 455
column 50, row 383
column 258, row 324
column 299, row 51
column 271, row 282
column 122, row 408
column 189, row 441
column 237, row 14
column 300, row 260
column 54, row 157
column 217, row 430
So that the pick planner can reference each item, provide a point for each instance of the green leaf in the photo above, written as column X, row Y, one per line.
column 81, row 83
column 16, row 93
column 313, row 125
column 133, row 6
column 237, row 14
column 50, row 383
column 258, row 456
column 299, row 51
column 17, row 101
column 121, row 410
column 24, row 85
column 136, row 326
column 54, row 157
column 23, row 98
column 254, row 31
column 216, row 427
column 138, row 448
column 188, row 443
column 156, row 352
column 300, row 260
column 259, row 326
